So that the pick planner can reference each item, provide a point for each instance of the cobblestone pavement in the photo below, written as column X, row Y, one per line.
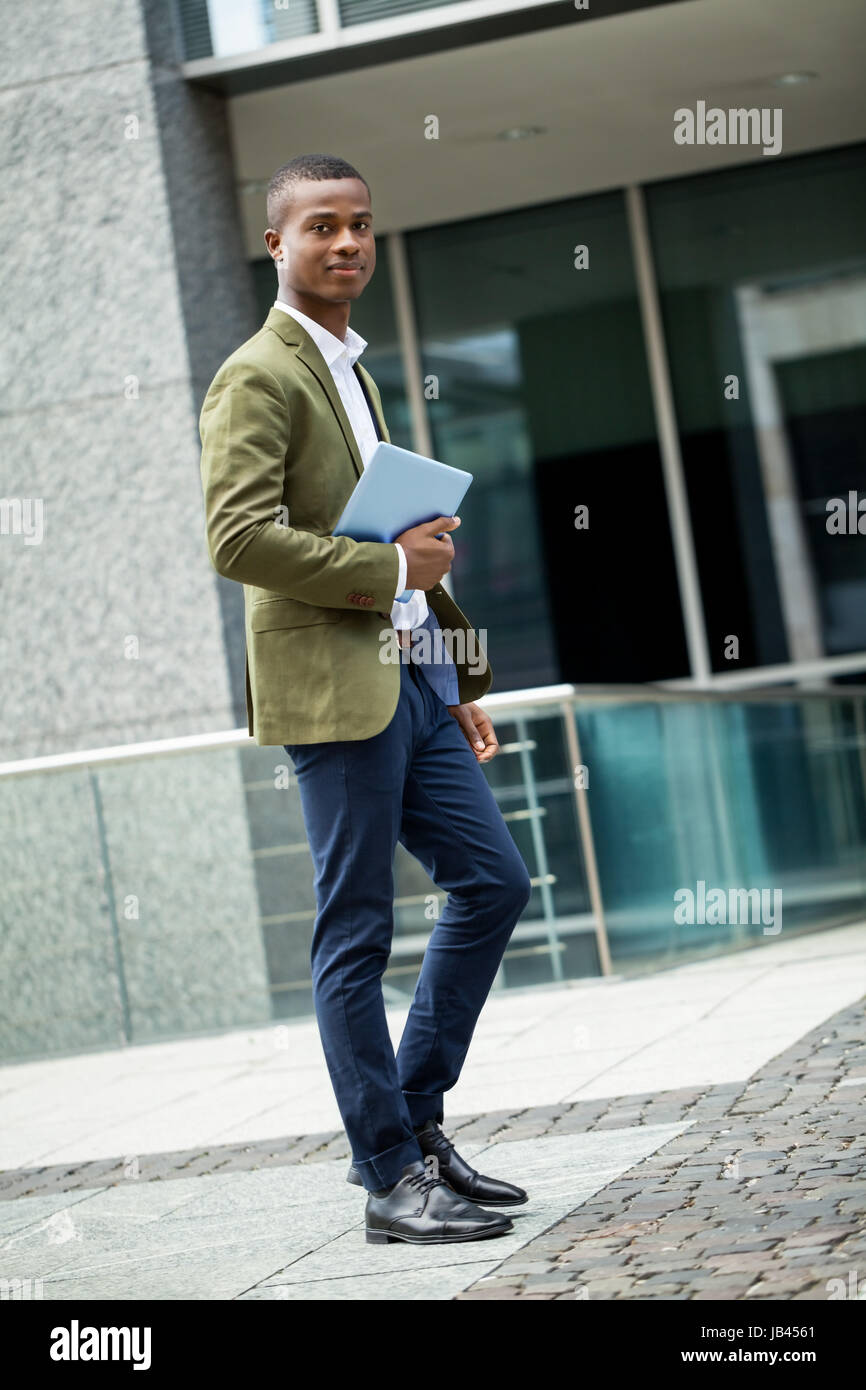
column 763, row 1196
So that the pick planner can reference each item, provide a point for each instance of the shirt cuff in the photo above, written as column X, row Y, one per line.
column 404, row 566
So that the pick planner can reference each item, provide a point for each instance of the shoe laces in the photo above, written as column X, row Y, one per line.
column 424, row 1181
column 439, row 1140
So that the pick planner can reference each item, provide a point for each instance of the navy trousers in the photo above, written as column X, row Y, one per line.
column 417, row 782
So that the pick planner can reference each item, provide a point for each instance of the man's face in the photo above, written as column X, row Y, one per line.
column 327, row 240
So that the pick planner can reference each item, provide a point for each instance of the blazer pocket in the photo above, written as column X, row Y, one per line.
column 290, row 612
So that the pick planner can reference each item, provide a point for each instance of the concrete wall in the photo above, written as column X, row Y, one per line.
column 124, row 286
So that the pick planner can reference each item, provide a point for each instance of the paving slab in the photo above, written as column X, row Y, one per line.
column 245, row 1234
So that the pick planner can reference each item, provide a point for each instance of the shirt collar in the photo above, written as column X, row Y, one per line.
column 328, row 344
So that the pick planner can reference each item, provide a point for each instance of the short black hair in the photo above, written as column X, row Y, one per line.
column 304, row 166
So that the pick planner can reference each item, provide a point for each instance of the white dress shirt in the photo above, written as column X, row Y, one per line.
column 341, row 358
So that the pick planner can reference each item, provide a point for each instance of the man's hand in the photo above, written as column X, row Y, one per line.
column 427, row 559
column 478, row 729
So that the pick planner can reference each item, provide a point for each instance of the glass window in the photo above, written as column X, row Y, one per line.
column 366, row 11
column 537, row 383
column 823, row 400
column 762, row 276
column 223, row 27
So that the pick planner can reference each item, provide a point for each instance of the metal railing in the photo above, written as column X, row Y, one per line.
column 519, row 707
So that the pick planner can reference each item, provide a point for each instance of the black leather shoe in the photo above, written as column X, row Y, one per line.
column 422, row 1210
column 465, row 1181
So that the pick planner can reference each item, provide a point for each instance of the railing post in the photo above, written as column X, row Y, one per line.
column 108, row 880
column 540, row 848
column 587, row 843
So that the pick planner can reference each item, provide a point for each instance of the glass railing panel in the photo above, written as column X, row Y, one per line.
column 723, row 824
column 162, row 896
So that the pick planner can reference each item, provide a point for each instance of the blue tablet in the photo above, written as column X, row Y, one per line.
column 398, row 490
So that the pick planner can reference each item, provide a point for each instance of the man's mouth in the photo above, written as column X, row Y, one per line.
column 350, row 269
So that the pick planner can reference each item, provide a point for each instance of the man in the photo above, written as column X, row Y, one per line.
column 383, row 750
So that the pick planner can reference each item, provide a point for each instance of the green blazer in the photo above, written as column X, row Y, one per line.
column 279, row 462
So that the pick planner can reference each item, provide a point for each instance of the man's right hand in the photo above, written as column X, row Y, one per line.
column 427, row 558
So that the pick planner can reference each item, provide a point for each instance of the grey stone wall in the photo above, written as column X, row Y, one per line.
column 124, row 286
column 130, row 910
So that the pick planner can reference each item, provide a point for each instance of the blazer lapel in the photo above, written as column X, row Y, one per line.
column 294, row 334
column 371, row 392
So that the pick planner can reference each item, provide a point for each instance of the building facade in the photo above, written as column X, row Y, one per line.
column 650, row 351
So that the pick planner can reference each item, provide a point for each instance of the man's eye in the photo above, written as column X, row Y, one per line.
column 325, row 226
